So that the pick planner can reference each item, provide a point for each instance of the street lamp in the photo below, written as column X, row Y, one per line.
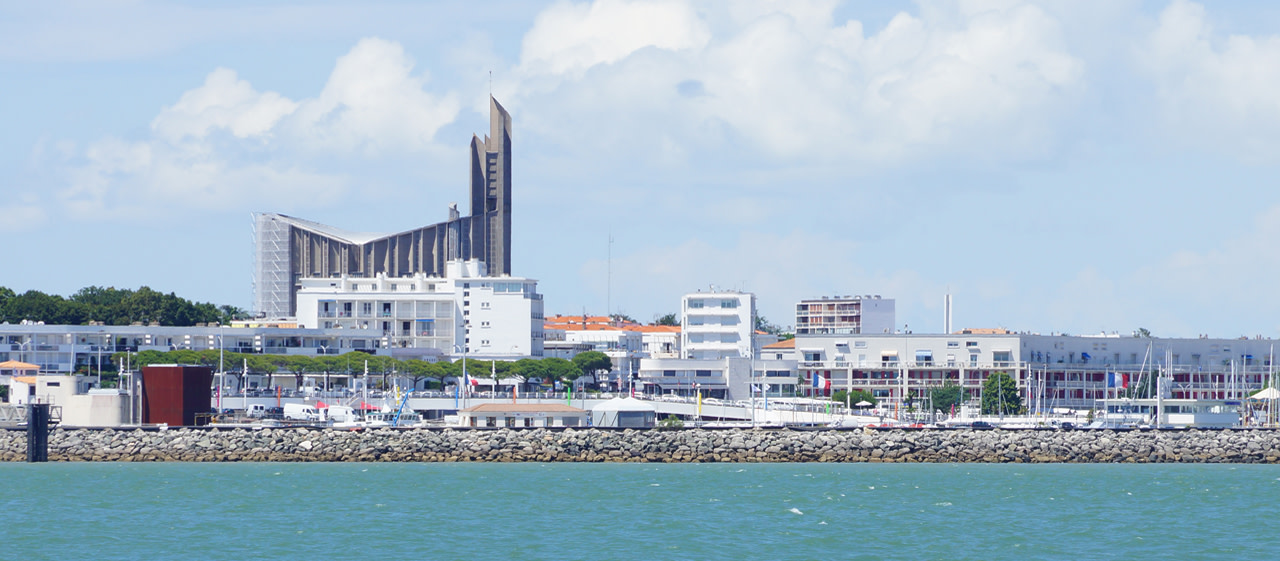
column 324, row 350
column 22, row 349
column 465, row 379
column 101, row 343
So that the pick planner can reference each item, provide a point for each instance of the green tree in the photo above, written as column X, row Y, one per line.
column 946, row 396
column 529, row 368
column 561, row 369
column 852, row 398
column 668, row 319
column 419, row 370
column 299, row 365
column 1142, row 333
column 763, row 324
column 1000, row 395
column 592, row 362
column 1143, row 387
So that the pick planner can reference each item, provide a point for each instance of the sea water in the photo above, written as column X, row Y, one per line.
column 638, row 511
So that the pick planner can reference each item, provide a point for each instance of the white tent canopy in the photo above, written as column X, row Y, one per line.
column 1269, row 393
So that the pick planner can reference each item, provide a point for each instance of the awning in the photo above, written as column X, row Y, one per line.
column 364, row 406
column 888, row 353
column 322, row 405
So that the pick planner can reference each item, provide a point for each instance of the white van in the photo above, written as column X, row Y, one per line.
column 341, row 414
column 301, row 412
column 256, row 410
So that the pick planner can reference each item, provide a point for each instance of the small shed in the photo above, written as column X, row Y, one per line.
column 519, row 415
column 624, row 413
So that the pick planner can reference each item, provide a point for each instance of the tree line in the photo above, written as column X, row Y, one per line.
column 355, row 362
column 111, row 306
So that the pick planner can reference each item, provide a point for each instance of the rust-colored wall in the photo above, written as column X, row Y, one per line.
column 173, row 394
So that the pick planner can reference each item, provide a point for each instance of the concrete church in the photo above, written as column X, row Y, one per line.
column 418, row 283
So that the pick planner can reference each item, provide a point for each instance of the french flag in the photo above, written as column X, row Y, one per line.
column 821, row 383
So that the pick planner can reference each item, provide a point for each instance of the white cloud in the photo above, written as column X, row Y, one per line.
column 225, row 145
column 374, row 102
column 1215, row 91
column 569, row 38
column 18, row 217
column 988, row 77
column 223, row 102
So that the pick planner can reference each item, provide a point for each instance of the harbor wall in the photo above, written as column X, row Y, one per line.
column 686, row 445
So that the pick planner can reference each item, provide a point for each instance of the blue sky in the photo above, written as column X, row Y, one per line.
column 1058, row 166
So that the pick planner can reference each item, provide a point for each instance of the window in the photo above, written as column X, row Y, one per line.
column 859, row 344
column 924, row 357
column 1002, row 356
column 971, row 344
column 702, row 373
column 728, row 303
column 953, row 344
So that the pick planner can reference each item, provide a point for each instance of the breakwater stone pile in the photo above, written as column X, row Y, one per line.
column 688, row 445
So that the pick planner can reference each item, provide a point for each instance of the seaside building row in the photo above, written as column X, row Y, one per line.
column 447, row 290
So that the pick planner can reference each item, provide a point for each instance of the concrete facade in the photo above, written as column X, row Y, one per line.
column 845, row 315
column 493, row 316
column 727, row 378
column 1051, row 370
column 288, row 249
column 63, row 349
column 717, row 324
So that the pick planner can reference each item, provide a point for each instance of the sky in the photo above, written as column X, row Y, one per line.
column 1076, row 166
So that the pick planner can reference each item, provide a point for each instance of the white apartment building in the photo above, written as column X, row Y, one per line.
column 717, row 324
column 727, row 378
column 64, row 349
column 845, row 315
column 492, row 316
column 1052, row 370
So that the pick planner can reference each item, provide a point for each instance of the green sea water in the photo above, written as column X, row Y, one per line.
column 639, row 511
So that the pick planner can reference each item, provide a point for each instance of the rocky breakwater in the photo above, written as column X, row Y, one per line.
column 690, row 445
